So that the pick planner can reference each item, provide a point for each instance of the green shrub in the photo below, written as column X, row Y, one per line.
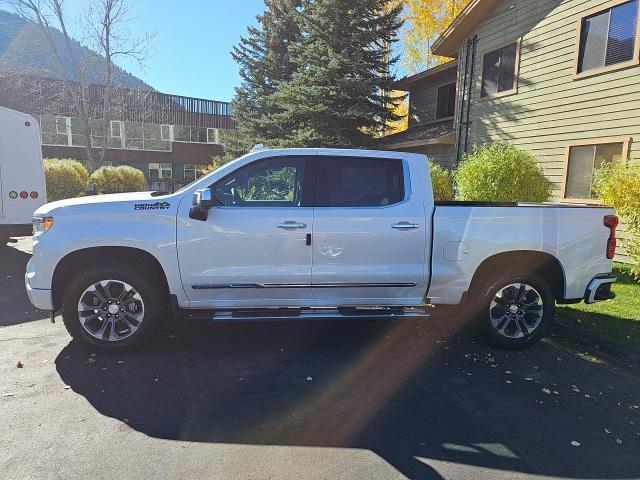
column 63, row 180
column 75, row 164
column 117, row 179
column 618, row 184
column 441, row 181
column 499, row 172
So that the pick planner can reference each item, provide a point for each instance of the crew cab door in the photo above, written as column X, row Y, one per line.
column 370, row 232
column 252, row 249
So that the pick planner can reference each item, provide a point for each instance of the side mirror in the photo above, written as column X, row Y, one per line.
column 203, row 200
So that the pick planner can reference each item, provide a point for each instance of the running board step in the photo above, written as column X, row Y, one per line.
column 304, row 314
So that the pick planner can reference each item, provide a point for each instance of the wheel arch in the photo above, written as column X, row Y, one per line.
column 543, row 264
column 74, row 261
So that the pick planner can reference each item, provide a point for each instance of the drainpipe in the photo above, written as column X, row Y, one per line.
column 464, row 92
column 474, row 42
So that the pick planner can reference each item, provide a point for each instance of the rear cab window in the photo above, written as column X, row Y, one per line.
column 359, row 182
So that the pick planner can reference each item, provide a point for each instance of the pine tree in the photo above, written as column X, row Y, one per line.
column 340, row 90
column 264, row 62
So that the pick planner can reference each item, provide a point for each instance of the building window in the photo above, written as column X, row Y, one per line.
column 583, row 158
column 165, row 133
column 213, row 135
column 500, row 71
column 116, row 129
column 190, row 172
column 63, row 124
column 446, row 103
column 160, row 170
column 608, row 37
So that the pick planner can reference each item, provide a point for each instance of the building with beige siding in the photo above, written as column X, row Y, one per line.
column 558, row 77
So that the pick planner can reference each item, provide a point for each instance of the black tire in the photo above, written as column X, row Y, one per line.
column 487, row 291
column 148, row 290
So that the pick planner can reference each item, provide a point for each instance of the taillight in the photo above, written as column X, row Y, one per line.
column 24, row 194
column 33, row 194
column 611, row 222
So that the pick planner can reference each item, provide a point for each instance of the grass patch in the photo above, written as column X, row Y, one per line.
column 616, row 321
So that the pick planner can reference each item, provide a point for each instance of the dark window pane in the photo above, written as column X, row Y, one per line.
column 490, row 71
column 580, row 172
column 608, row 37
column 622, row 33
column 593, row 41
column 359, row 182
column 507, row 74
column 446, row 101
column 583, row 160
column 275, row 182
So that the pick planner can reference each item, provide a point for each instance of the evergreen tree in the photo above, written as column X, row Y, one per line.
column 264, row 63
column 339, row 93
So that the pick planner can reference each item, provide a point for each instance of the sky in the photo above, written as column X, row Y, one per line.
column 193, row 38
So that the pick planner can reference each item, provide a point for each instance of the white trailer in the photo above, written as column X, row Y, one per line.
column 22, row 181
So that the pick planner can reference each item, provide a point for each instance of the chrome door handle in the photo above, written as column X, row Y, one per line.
column 405, row 226
column 291, row 225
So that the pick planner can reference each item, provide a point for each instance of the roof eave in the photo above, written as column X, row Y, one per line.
column 448, row 43
column 406, row 82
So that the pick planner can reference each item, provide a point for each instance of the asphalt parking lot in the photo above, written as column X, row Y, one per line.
column 414, row 399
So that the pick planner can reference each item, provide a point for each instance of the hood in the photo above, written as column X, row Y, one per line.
column 99, row 200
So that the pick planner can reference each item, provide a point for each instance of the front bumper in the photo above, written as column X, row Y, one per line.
column 40, row 297
column 599, row 288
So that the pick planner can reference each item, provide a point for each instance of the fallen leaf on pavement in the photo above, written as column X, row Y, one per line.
column 19, row 364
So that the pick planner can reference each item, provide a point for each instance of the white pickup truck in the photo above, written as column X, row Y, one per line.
column 304, row 233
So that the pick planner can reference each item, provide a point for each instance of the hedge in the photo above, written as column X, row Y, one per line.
column 117, row 179
column 65, row 178
column 499, row 172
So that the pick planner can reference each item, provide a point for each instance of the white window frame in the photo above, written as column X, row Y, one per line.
column 67, row 128
column 194, row 169
column 111, row 123
column 160, row 170
column 213, row 135
column 162, row 137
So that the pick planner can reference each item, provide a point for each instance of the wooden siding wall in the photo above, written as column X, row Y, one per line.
column 423, row 97
column 550, row 108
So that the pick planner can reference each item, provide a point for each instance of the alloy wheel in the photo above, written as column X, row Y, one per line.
column 110, row 310
column 516, row 310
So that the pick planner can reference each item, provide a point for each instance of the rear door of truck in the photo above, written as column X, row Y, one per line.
column 370, row 233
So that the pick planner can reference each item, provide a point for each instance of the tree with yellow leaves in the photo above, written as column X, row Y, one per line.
column 400, row 108
column 424, row 21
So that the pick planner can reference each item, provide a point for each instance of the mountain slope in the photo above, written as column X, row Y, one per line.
column 23, row 49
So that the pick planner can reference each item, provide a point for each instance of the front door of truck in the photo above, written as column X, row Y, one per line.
column 252, row 250
column 369, row 233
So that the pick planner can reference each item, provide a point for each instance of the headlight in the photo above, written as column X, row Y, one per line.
column 42, row 224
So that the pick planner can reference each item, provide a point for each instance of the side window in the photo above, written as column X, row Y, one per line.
column 500, row 71
column 358, row 182
column 583, row 160
column 274, row 182
column 608, row 37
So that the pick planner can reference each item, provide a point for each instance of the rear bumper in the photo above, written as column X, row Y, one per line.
column 599, row 288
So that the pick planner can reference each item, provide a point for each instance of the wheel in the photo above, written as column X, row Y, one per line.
column 515, row 308
column 112, row 308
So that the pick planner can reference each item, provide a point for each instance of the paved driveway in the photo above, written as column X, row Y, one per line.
column 320, row 400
